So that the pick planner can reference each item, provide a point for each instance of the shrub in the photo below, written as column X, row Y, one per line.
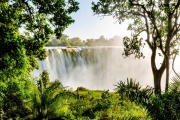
column 133, row 91
column 159, row 107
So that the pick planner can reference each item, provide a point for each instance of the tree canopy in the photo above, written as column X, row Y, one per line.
column 159, row 20
column 25, row 27
column 37, row 20
column 76, row 41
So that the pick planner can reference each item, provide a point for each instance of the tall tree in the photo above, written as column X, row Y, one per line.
column 158, row 19
column 38, row 19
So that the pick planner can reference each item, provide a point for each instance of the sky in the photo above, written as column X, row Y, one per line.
column 87, row 25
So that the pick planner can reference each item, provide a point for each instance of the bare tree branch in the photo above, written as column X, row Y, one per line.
column 147, row 32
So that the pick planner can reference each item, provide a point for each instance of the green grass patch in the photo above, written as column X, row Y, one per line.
column 85, row 104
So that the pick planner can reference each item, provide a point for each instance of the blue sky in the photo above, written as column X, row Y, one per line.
column 87, row 25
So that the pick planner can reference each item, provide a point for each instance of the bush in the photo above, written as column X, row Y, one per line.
column 159, row 107
column 133, row 91
column 167, row 105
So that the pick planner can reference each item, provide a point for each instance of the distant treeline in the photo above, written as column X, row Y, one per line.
column 101, row 41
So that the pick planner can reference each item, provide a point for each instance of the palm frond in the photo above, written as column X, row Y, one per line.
column 175, row 85
column 133, row 90
column 52, row 91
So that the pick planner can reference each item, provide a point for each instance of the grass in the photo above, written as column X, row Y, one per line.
column 84, row 104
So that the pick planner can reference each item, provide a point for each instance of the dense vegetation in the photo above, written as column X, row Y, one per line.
column 46, row 99
column 24, row 97
column 64, row 40
column 42, row 99
column 38, row 19
column 160, row 107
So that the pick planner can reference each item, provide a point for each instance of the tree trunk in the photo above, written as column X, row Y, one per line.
column 157, row 81
column 157, row 73
column 167, row 75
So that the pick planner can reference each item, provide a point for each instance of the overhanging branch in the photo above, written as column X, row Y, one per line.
column 153, row 21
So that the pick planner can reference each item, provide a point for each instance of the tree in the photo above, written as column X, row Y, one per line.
column 100, row 41
column 89, row 42
column 64, row 41
column 76, row 41
column 14, row 95
column 25, row 27
column 38, row 19
column 157, row 19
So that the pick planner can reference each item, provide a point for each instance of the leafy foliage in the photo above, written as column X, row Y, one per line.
column 175, row 85
column 165, row 106
column 35, row 18
column 28, row 100
column 14, row 94
column 25, row 27
column 132, row 47
column 47, row 97
column 104, row 105
column 134, row 92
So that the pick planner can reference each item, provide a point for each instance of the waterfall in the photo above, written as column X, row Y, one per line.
column 94, row 67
